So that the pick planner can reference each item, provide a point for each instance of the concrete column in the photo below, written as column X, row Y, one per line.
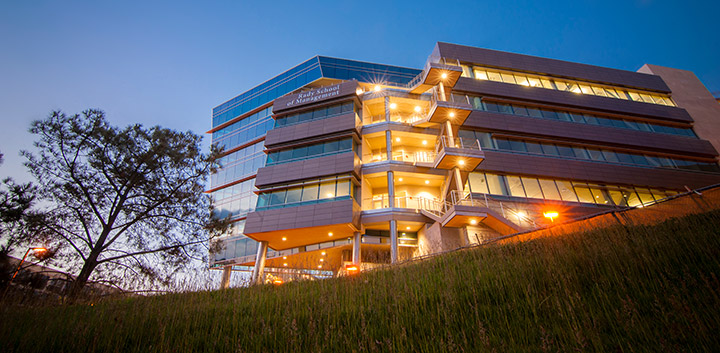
column 388, row 144
column 356, row 257
column 391, row 188
column 257, row 274
column 441, row 92
column 225, row 283
column 393, row 241
column 387, row 108
column 458, row 179
column 449, row 133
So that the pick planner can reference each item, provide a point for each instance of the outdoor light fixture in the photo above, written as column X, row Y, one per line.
column 444, row 75
column 417, row 108
column 352, row 269
column 393, row 105
column 284, row 239
column 520, row 214
column 424, row 142
column 427, row 181
column 397, row 139
column 322, row 260
column 461, row 162
column 552, row 215
column 359, row 91
column 285, row 264
column 319, row 266
column 452, row 114
column 284, row 257
column 408, row 228
column 377, row 88
column 473, row 221
column 278, row 281
column 400, row 179
column 36, row 250
column 322, row 253
column 329, row 234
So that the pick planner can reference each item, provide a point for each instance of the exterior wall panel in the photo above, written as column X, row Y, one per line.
column 315, row 215
column 553, row 67
column 607, row 136
column 512, row 163
column 310, row 129
column 342, row 163
column 584, row 101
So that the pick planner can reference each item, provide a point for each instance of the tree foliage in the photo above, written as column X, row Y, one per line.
column 127, row 203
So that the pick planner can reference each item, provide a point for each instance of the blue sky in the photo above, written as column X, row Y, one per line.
column 170, row 63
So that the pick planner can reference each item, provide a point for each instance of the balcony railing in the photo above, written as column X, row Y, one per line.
column 456, row 142
column 414, row 157
column 398, row 117
column 419, row 203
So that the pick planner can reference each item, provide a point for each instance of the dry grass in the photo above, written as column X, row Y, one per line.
column 645, row 288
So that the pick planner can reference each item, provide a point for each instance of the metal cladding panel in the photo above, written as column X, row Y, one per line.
column 590, row 134
column 314, row 96
column 583, row 101
column 539, row 166
column 315, row 128
column 552, row 67
column 342, row 163
column 314, row 215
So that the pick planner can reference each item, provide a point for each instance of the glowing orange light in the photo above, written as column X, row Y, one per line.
column 278, row 281
column 39, row 249
column 552, row 215
column 444, row 75
column 352, row 269
column 452, row 114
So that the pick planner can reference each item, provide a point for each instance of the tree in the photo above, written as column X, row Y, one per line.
column 16, row 214
column 128, row 202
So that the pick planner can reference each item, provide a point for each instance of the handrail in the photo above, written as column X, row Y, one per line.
column 457, row 142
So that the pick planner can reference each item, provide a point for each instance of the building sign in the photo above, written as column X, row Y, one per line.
column 315, row 95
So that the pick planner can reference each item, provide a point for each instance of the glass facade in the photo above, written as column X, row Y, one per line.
column 243, row 139
column 579, row 87
column 307, row 192
column 563, row 190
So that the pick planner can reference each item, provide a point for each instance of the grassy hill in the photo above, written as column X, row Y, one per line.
column 636, row 289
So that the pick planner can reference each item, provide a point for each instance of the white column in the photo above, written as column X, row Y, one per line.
column 225, row 283
column 391, row 188
column 258, row 275
column 388, row 143
column 387, row 108
column 357, row 237
column 441, row 91
column 393, row 241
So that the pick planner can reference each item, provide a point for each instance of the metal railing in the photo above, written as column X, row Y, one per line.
column 457, row 142
column 414, row 157
column 508, row 212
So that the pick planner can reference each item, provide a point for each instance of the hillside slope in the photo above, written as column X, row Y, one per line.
column 645, row 288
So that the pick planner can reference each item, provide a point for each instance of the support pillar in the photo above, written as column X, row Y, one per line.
column 458, row 180
column 441, row 92
column 225, row 283
column 388, row 144
column 449, row 133
column 258, row 271
column 391, row 188
column 387, row 108
column 356, row 256
column 393, row 241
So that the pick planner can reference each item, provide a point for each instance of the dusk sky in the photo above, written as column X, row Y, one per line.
column 170, row 63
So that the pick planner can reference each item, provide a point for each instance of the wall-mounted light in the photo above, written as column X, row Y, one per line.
column 551, row 214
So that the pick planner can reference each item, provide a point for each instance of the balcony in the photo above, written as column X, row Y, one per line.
column 432, row 75
column 463, row 153
column 446, row 107
column 413, row 202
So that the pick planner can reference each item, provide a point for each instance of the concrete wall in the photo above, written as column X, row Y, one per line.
column 690, row 94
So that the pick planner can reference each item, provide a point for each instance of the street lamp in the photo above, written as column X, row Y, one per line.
column 34, row 249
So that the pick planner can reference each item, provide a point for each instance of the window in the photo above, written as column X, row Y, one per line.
column 478, row 183
column 515, row 186
column 549, row 189
column 496, row 184
column 532, row 188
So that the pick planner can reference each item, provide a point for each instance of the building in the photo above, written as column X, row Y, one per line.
column 338, row 162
